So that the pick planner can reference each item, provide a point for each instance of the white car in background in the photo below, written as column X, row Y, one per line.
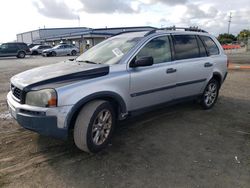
column 38, row 49
column 61, row 49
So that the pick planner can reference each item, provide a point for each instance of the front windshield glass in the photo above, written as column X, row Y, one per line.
column 110, row 51
column 57, row 46
column 35, row 47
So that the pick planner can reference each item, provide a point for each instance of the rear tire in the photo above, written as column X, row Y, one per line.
column 21, row 54
column 73, row 53
column 94, row 126
column 210, row 94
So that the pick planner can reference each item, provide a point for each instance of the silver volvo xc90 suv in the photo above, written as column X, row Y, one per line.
column 125, row 74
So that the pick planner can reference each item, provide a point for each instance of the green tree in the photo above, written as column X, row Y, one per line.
column 244, row 34
column 226, row 38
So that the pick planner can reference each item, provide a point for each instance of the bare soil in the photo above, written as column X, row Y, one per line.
column 177, row 146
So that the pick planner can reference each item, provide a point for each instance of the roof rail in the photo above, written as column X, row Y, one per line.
column 173, row 28
column 196, row 29
column 132, row 31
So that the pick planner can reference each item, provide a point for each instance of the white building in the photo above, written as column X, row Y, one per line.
column 82, row 37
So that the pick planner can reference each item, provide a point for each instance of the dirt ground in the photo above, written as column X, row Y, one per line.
column 179, row 146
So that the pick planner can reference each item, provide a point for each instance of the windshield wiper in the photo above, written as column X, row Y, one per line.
column 85, row 61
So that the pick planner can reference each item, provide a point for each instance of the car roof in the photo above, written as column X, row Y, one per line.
column 14, row 43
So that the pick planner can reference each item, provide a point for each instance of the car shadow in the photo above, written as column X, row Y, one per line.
column 15, row 58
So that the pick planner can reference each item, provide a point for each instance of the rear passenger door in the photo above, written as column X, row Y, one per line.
column 192, row 64
column 61, row 50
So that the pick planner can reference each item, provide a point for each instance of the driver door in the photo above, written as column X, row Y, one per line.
column 154, row 84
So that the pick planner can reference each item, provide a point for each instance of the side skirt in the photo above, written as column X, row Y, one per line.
column 162, row 105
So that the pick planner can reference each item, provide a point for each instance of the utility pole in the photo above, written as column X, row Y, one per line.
column 79, row 20
column 229, row 22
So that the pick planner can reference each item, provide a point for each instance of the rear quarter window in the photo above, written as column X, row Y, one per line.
column 186, row 47
column 22, row 46
column 210, row 45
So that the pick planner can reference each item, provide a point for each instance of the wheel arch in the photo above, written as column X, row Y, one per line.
column 115, row 99
column 218, row 77
column 20, row 51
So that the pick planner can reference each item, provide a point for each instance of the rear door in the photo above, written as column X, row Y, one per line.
column 192, row 64
column 153, row 84
column 68, row 49
column 60, row 50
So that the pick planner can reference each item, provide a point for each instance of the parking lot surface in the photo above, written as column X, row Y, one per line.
column 176, row 146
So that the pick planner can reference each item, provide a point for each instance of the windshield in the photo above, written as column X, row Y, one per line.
column 109, row 51
column 57, row 46
column 35, row 47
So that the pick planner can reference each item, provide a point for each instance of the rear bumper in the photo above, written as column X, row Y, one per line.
column 45, row 121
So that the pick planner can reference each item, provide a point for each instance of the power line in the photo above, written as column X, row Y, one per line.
column 229, row 22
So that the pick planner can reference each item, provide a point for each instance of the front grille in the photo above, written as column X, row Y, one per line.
column 16, row 92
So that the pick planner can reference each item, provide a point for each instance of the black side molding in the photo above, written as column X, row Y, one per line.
column 167, row 87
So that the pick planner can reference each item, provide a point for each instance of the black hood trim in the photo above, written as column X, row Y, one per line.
column 83, row 75
column 78, row 76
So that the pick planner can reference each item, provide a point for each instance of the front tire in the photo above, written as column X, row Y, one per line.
column 210, row 94
column 53, row 54
column 35, row 53
column 94, row 126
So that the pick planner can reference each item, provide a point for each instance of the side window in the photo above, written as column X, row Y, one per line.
column 12, row 46
column 158, row 48
column 210, row 45
column 22, row 46
column 4, row 46
column 202, row 48
column 186, row 47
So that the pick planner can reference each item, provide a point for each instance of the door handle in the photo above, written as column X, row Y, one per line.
column 171, row 70
column 208, row 64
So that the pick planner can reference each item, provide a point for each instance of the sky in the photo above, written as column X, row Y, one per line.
column 17, row 16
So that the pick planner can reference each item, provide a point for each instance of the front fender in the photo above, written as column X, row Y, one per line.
column 99, row 95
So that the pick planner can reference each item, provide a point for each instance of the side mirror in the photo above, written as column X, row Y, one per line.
column 142, row 62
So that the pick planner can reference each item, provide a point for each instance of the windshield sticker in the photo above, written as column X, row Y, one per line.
column 117, row 52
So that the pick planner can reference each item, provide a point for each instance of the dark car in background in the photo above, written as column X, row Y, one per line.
column 38, row 49
column 18, row 49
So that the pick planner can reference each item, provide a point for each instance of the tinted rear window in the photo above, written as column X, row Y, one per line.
column 22, row 46
column 186, row 47
column 211, row 47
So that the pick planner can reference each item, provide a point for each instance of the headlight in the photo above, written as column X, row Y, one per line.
column 42, row 98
